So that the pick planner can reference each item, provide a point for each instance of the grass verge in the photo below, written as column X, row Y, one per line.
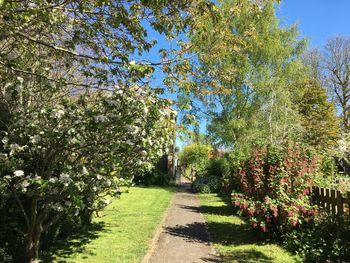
column 122, row 233
column 233, row 238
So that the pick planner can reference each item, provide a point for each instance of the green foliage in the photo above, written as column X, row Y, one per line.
column 207, row 184
column 154, row 177
column 195, row 158
column 327, row 239
column 219, row 167
column 321, row 126
column 247, row 65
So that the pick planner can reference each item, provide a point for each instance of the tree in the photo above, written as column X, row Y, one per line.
column 318, row 115
column 321, row 126
column 67, row 157
column 244, row 72
column 337, row 65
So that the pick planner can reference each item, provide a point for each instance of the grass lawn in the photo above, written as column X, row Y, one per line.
column 234, row 240
column 122, row 233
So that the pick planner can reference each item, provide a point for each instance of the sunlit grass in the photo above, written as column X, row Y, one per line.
column 122, row 233
column 233, row 238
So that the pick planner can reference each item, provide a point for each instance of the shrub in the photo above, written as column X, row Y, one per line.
column 327, row 239
column 274, row 186
column 234, row 160
column 219, row 167
column 155, row 177
column 207, row 184
column 195, row 158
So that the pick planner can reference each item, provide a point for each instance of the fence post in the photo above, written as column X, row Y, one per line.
column 333, row 202
column 315, row 195
column 340, row 205
column 328, row 203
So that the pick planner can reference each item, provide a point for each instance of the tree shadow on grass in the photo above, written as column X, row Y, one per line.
column 76, row 243
column 235, row 234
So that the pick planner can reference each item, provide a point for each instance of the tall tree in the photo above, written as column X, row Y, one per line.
column 337, row 65
column 243, row 72
column 318, row 114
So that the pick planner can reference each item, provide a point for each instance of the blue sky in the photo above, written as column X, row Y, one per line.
column 317, row 19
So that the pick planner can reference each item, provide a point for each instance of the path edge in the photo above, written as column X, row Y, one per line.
column 157, row 233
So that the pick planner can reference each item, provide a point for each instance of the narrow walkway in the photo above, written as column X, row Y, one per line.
column 184, row 237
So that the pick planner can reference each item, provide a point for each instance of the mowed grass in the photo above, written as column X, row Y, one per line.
column 122, row 233
column 233, row 238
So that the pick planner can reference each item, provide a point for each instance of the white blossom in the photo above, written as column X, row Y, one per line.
column 18, row 173
column 100, row 118
column 25, row 184
column 57, row 114
column 58, row 207
column 65, row 179
column 132, row 129
column 35, row 139
column 85, row 171
column 53, row 180
column 20, row 79
column 112, row 103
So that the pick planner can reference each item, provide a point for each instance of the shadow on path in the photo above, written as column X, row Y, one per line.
column 195, row 232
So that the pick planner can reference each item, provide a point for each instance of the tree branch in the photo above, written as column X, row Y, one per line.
column 22, row 208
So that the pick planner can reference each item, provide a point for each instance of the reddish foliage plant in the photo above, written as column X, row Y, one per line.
column 274, row 187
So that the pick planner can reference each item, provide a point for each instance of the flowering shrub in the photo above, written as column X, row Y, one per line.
column 67, row 155
column 274, row 187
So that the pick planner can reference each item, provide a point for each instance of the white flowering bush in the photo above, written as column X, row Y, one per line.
column 69, row 155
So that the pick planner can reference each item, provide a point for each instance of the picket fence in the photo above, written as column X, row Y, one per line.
column 331, row 201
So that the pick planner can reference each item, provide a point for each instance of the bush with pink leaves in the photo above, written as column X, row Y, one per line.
column 274, row 187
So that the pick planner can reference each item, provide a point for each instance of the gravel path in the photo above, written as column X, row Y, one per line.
column 184, row 236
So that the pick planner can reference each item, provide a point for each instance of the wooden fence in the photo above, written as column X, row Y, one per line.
column 331, row 201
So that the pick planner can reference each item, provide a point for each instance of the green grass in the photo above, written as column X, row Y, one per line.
column 233, row 238
column 122, row 234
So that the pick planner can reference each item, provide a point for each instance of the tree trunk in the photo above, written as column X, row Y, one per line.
column 33, row 242
column 34, row 233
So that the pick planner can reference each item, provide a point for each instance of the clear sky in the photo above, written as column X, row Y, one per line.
column 317, row 19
